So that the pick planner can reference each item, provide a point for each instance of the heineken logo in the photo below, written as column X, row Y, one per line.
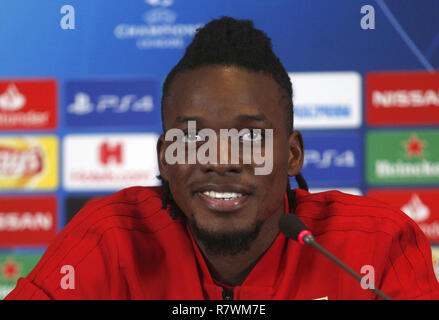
column 402, row 157
column 10, row 269
column 400, row 169
column 414, row 147
column 13, row 267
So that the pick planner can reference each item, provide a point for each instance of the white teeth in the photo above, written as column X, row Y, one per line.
column 222, row 195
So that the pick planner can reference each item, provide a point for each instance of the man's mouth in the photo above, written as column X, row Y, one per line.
column 223, row 200
column 222, row 195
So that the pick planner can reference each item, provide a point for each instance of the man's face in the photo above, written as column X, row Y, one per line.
column 219, row 97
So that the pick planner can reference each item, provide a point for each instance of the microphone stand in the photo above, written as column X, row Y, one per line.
column 309, row 240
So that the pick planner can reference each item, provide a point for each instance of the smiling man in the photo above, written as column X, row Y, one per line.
column 232, row 212
column 211, row 231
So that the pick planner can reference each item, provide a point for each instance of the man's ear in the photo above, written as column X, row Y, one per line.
column 161, row 160
column 296, row 150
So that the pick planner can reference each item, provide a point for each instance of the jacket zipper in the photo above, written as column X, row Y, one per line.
column 227, row 294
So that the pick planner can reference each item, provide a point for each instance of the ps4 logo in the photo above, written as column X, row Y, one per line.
column 82, row 104
column 329, row 158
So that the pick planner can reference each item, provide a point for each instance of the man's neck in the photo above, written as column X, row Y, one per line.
column 232, row 270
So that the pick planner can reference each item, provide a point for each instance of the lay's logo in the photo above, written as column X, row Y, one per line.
column 20, row 163
column 28, row 162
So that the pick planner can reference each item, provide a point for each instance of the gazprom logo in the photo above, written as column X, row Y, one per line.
column 322, row 111
column 325, row 100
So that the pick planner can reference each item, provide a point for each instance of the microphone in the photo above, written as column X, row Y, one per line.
column 293, row 228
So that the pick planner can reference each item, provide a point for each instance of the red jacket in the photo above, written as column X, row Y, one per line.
column 126, row 247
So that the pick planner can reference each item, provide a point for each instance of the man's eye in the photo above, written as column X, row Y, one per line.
column 252, row 135
column 192, row 137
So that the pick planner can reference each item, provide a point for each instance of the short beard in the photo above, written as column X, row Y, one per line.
column 226, row 243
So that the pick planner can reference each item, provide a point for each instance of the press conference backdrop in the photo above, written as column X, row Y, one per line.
column 80, row 96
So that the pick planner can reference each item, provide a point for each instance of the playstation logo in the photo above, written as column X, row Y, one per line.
column 81, row 105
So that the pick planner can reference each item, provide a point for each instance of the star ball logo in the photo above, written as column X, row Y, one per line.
column 160, row 28
column 402, row 157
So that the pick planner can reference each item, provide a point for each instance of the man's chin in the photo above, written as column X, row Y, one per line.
column 225, row 242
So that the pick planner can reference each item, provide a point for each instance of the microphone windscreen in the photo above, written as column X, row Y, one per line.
column 291, row 226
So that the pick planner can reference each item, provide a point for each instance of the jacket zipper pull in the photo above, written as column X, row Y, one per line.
column 227, row 294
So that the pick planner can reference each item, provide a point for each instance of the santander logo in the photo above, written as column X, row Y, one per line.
column 415, row 209
column 12, row 99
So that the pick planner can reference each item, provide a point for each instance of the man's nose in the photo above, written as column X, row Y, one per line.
column 228, row 160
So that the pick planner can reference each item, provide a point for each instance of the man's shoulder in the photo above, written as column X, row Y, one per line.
column 362, row 231
column 128, row 196
column 133, row 203
column 131, row 210
column 334, row 210
column 102, row 239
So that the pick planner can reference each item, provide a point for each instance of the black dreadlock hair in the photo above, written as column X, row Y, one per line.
column 230, row 42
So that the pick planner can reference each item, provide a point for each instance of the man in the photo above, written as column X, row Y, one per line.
column 211, row 231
